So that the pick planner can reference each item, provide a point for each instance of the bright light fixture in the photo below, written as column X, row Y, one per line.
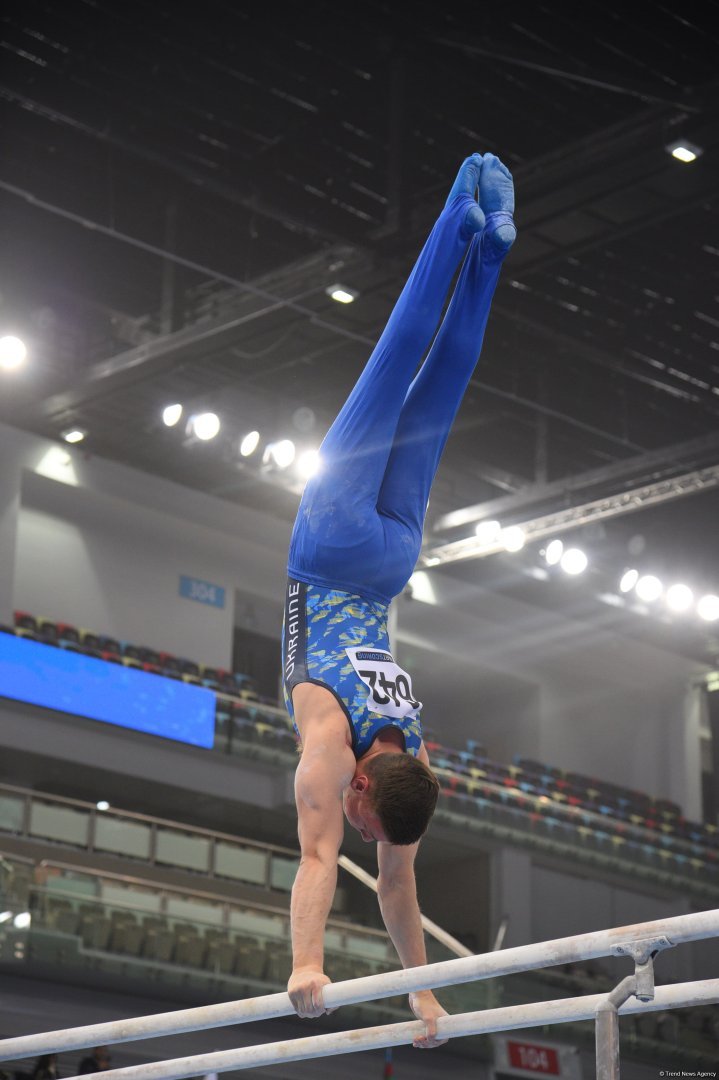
column 22, row 920
column 205, row 426
column 679, row 597
column 574, row 561
column 649, row 588
column 684, row 151
column 249, row 443
column 103, row 805
column 628, row 580
column 513, row 538
column 433, row 560
column 281, row 453
column 74, row 435
column 553, row 552
column 708, row 608
column 308, row 463
column 5, row 915
column 341, row 293
column 171, row 414
column 488, row 532
column 12, row 352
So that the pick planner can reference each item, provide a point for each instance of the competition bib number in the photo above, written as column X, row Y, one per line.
column 390, row 688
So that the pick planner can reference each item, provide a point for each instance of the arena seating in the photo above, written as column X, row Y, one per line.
column 79, row 930
column 550, row 801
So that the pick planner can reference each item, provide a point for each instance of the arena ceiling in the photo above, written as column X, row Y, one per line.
column 179, row 185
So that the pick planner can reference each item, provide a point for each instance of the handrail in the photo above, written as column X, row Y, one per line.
column 148, row 819
column 615, row 942
column 333, row 923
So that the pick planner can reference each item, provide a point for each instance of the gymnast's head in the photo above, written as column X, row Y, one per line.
column 391, row 798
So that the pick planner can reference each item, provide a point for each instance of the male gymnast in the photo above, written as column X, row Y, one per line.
column 354, row 546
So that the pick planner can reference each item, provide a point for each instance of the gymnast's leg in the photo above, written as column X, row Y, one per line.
column 436, row 393
column 338, row 509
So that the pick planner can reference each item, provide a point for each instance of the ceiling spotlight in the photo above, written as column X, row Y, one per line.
column 341, row 293
column 432, row 560
column 488, row 532
column 679, row 597
column 574, row 561
column 628, row 580
column 171, row 415
column 708, row 608
column 5, row 916
column 74, row 435
column 553, row 552
column 22, row 920
column 102, row 805
column 205, row 426
column 250, row 443
column 684, row 151
column 12, row 352
column 513, row 538
column 281, row 454
column 308, row 463
column 649, row 588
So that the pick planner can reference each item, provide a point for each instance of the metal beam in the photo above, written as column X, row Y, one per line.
column 599, row 510
column 199, row 181
column 547, row 65
column 670, row 458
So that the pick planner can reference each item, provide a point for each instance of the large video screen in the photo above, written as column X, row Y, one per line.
column 69, row 682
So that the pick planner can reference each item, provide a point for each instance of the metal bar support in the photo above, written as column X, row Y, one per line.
column 693, row 927
column 566, row 1010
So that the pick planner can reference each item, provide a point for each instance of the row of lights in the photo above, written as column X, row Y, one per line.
column 282, row 453
column 679, row 598
column 203, row 426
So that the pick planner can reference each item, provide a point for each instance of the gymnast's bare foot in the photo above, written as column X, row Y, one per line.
column 496, row 196
column 467, row 183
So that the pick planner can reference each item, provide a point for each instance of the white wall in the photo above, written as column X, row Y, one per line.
column 103, row 546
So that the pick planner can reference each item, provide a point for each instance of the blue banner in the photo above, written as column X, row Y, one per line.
column 69, row 682
column 202, row 591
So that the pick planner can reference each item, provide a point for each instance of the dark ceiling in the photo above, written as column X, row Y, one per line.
column 180, row 184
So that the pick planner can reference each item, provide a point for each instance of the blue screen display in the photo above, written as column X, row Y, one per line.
column 85, row 686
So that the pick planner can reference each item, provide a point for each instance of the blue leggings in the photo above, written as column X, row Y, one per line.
column 359, row 525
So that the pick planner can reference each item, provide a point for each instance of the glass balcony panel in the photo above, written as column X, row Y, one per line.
column 123, row 836
column 241, row 864
column 176, row 848
column 76, row 885
column 369, row 948
column 184, row 909
column 56, row 822
column 259, row 924
column 282, row 873
column 334, row 939
column 12, row 813
column 142, row 900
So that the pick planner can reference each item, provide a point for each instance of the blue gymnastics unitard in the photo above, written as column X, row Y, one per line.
column 358, row 530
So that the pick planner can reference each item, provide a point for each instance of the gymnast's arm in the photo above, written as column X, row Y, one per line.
column 397, row 893
column 324, row 771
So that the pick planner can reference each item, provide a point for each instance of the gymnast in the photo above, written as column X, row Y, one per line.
column 354, row 546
